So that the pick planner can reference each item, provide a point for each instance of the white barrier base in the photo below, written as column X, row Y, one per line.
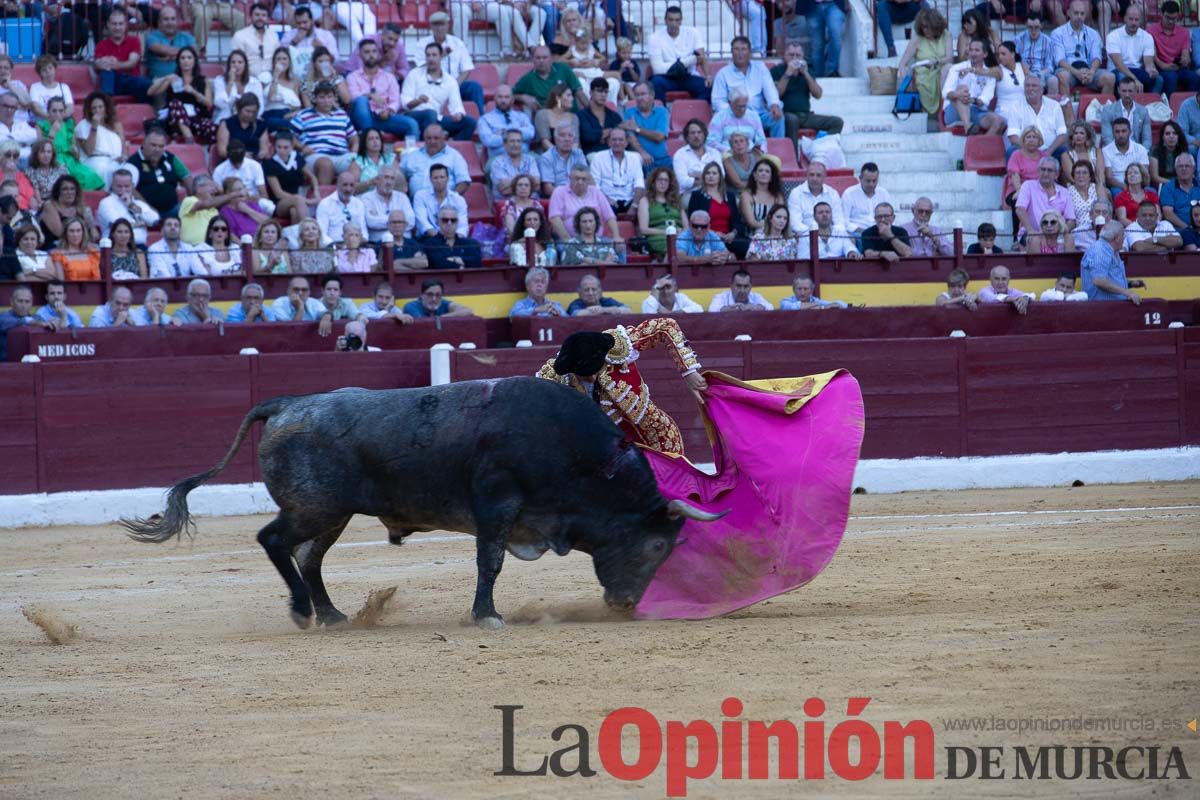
column 877, row 476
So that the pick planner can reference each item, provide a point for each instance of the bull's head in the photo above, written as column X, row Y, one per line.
column 626, row 563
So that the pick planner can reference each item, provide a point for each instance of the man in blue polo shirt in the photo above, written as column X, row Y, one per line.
column 433, row 302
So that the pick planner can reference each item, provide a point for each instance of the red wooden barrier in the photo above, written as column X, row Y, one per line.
column 18, row 429
column 139, row 422
column 1077, row 392
column 875, row 323
column 202, row 340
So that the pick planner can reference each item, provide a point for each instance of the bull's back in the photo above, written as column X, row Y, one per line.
column 416, row 453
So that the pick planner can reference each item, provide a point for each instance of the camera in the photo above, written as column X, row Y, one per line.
column 354, row 342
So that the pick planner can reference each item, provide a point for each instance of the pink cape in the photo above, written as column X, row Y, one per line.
column 785, row 453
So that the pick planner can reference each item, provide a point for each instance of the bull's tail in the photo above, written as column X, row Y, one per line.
column 175, row 519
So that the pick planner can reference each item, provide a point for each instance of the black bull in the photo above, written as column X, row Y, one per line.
column 524, row 464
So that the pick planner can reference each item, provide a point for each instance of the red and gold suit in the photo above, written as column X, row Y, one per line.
column 622, row 393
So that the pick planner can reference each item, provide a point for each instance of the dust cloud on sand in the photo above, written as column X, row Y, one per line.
column 56, row 629
column 376, row 607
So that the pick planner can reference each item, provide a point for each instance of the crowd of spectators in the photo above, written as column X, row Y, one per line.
column 324, row 157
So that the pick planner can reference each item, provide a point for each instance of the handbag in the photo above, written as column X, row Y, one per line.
column 908, row 100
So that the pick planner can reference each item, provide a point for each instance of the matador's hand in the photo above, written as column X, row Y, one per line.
column 697, row 385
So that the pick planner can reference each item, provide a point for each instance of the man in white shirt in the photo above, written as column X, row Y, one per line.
column 429, row 201
column 1045, row 115
column 121, row 203
column 170, row 256
column 802, row 199
column 618, row 172
column 306, row 37
column 1149, row 233
column 340, row 209
column 456, row 57
column 833, row 241
column 740, row 296
column 968, row 95
column 16, row 129
column 257, row 41
column 665, row 298
column 859, row 201
column 381, row 201
column 428, row 93
column 1131, row 52
column 676, row 45
column 690, row 159
column 248, row 171
column 1119, row 154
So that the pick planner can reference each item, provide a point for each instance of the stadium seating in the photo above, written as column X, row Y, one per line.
column 985, row 155
column 684, row 110
column 474, row 165
column 785, row 151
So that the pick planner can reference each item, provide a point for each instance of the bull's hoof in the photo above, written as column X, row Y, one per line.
column 303, row 621
column 332, row 619
column 490, row 623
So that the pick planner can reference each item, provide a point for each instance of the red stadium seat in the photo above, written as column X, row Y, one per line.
column 132, row 116
column 478, row 207
column 628, row 229
column 487, row 76
column 1177, row 102
column 471, row 109
column 92, row 200
column 468, row 151
column 516, row 71
column 841, row 183
column 78, row 77
column 673, row 146
column 785, row 151
column 212, row 69
column 26, row 74
column 192, row 156
column 684, row 110
column 985, row 155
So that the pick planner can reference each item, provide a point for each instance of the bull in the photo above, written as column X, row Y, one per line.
column 525, row 465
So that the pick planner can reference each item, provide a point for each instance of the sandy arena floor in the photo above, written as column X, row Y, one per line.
column 188, row 679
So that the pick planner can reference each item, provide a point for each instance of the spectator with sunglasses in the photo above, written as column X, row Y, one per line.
column 446, row 249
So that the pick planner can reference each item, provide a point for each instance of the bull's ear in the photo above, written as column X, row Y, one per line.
column 678, row 509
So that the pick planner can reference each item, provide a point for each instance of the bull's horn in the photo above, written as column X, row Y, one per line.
column 678, row 508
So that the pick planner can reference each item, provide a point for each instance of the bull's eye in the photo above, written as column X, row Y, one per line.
column 659, row 546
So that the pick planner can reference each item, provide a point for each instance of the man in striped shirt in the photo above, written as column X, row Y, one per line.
column 327, row 137
column 1037, row 54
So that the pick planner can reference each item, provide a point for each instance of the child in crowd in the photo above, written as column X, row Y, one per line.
column 956, row 289
column 986, row 244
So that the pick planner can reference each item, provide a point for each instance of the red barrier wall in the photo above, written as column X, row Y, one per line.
column 957, row 397
column 203, row 340
column 149, row 422
column 875, row 323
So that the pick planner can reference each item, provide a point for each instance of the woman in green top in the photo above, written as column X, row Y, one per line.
column 657, row 207
column 371, row 156
column 930, row 46
column 60, row 129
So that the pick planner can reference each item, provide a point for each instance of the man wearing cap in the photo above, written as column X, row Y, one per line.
column 601, row 366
